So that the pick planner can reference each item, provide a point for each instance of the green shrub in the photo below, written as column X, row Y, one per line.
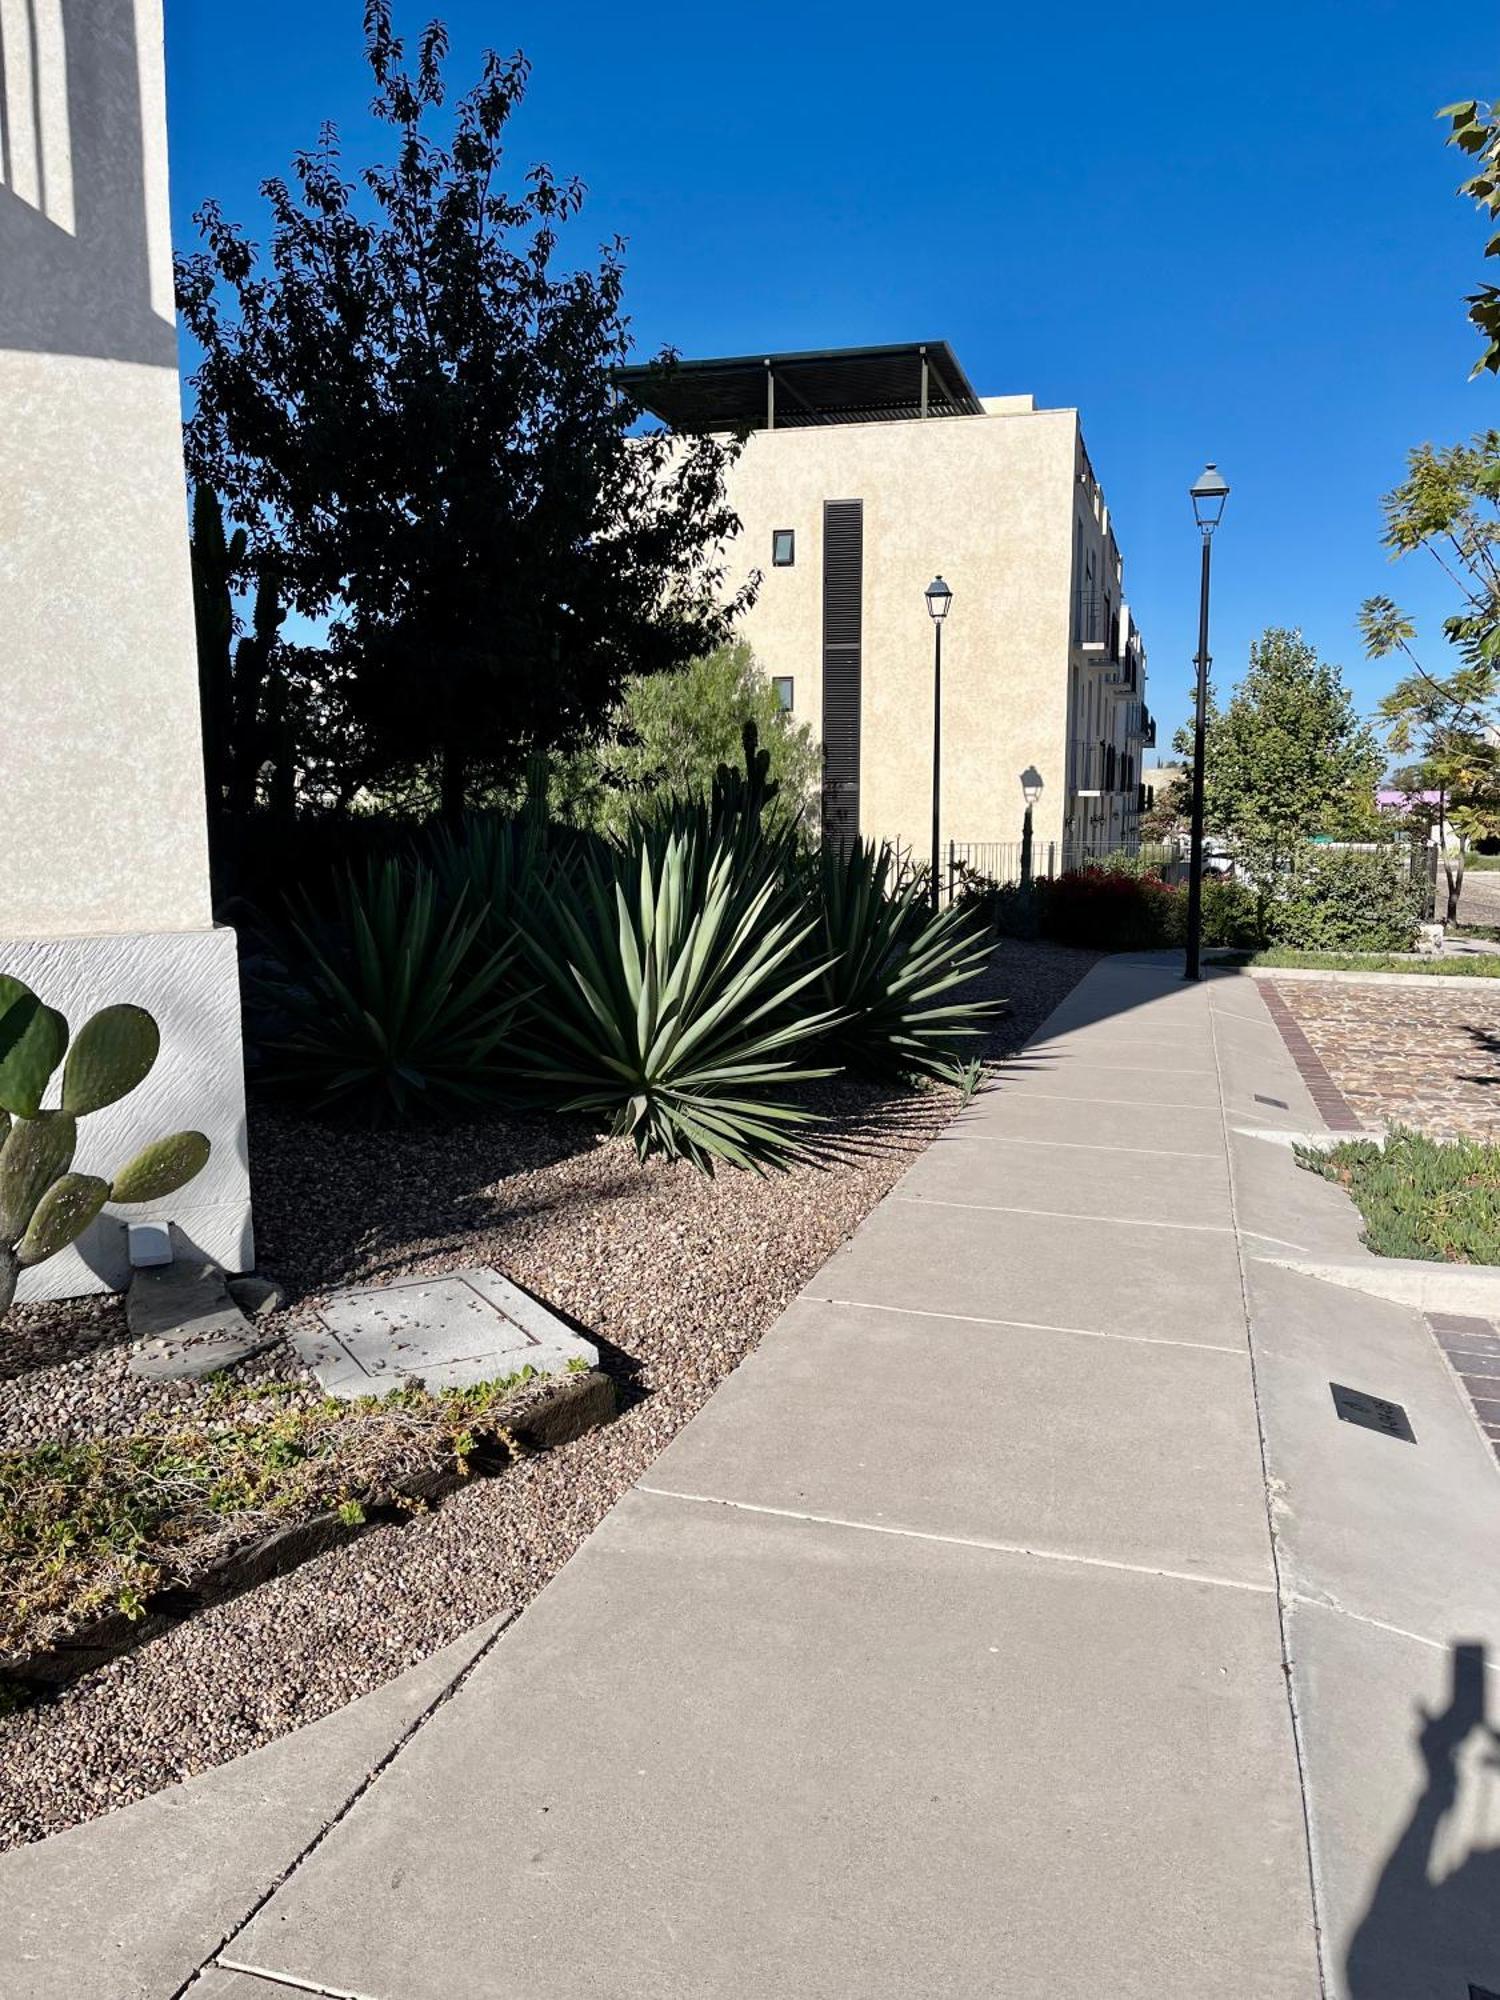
column 1231, row 914
column 389, row 1005
column 890, row 966
column 1421, row 1197
column 668, row 971
column 1347, row 899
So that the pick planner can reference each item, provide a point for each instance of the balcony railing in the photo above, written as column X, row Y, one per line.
column 1090, row 629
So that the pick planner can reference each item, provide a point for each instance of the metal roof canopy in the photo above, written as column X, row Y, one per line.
column 830, row 385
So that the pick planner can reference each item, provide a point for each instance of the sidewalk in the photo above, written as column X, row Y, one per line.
column 949, row 1650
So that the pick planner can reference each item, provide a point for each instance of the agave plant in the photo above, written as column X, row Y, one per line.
column 889, row 962
column 391, row 1007
column 44, row 1205
column 668, row 975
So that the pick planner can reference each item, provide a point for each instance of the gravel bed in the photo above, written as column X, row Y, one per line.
column 674, row 1275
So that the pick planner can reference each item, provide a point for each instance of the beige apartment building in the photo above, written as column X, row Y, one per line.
column 868, row 471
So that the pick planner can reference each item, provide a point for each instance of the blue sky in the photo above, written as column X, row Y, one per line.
column 1222, row 233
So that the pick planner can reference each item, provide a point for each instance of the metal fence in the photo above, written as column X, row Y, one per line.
column 1001, row 862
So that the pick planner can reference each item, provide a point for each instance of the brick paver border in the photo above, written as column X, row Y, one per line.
column 1325, row 1093
column 1473, row 1350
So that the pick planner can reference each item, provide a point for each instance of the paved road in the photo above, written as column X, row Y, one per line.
column 1020, row 1620
column 1480, row 901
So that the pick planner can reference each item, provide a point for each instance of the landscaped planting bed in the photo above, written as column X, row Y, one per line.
column 675, row 1276
column 1421, row 1197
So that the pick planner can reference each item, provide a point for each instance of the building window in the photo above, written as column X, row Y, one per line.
column 783, row 548
column 782, row 684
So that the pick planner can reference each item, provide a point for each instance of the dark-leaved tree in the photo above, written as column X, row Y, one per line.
column 409, row 402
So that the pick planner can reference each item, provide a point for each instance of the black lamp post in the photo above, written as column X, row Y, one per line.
column 1031, row 791
column 939, row 599
column 1209, row 490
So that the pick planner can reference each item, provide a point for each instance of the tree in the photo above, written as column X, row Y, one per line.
column 1476, row 131
column 411, row 410
column 1447, row 505
column 670, row 732
column 1288, row 757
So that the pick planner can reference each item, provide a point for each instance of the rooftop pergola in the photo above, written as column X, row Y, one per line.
column 828, row 385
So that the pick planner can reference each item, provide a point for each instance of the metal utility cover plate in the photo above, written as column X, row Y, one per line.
column 1280, row 1102
column 445, row 1332
column 1357, row 1406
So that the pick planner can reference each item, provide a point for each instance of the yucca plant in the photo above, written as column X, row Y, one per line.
column 888, row 962
column 394, row 1008
column 669, row 972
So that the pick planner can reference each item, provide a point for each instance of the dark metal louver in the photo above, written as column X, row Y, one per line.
column 843, row 591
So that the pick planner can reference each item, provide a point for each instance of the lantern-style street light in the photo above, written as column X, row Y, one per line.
column 939, row 601
column 1031, row 791
column 1209, row 492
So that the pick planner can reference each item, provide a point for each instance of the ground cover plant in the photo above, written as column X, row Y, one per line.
column 1420, row 1197
column 106, row 1524
column 1469, row 966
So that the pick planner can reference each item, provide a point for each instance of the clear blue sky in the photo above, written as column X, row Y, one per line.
column 1220, row 232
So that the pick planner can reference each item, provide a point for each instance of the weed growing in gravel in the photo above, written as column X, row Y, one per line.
column 1420, row 1197
column 103, row 1525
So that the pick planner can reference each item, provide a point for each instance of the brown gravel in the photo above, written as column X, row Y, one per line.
column 675, row 1276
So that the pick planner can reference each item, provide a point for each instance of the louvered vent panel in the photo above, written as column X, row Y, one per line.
column 843, row 590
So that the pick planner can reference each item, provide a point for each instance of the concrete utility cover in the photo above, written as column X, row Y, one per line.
column 447, row 1333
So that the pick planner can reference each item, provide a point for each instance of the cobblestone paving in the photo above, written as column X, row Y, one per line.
column 1403, row 1055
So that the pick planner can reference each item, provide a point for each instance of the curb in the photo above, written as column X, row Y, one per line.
column 1408, row 1281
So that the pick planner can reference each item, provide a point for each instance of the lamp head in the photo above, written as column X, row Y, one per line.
column 1031, row 784
column 1209, row 490
column 939, row 598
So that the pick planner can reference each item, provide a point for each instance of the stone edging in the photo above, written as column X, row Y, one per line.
column 1332, row 1105
column 1464, row 981
column 575, row 1404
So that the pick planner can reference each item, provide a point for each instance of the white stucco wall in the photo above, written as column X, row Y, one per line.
column 104, row 889
column 100, row 760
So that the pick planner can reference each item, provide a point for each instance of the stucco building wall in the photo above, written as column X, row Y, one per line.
column 990, row 502
column 104, row 890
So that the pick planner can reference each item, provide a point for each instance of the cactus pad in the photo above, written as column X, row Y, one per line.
column 64, row 1211
column 33, row 1041
column 161, row 1168
column 113, row 1050
column 36, row 1152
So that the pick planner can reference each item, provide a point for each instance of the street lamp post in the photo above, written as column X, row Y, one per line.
column 1031, row 791
column 939, row 599
column 1209, row 492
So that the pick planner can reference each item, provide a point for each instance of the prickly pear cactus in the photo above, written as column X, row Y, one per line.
column 44, row 1206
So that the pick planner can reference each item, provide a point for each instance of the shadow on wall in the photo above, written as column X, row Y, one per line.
column 84, row 238
column 1433, row 1925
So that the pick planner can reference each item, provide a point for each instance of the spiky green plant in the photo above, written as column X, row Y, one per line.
column 891, row 966
column 669, row 974
column 44, row 1205
column 393, row 1007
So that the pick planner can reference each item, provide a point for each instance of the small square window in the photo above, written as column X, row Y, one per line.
column 783, row 547
column 782, row 683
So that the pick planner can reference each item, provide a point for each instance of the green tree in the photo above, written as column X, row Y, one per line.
column 1447, row 506
column 411, row 409
column 1476, row 131
column 1288, row 757
column 669, row 733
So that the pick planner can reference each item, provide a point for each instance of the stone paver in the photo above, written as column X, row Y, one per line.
column 1408, row 1054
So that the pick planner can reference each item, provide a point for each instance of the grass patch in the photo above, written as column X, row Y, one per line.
column 105, row 1525
column 1481, row 966
column 1434, row 1199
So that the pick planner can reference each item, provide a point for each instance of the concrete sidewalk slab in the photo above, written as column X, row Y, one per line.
column 735, row 1755
column 1013, row 1111
column 1405, row 1815
column 995, row 1435
column 128, row 1906
column 1070, row 1181
column 1105, row 1277
column 1403, row 1533
column 1067, row 1074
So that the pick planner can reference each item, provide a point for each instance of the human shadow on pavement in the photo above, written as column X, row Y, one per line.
column 1433, row 1923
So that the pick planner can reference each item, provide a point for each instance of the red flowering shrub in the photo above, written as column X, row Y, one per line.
column 1112, row 910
